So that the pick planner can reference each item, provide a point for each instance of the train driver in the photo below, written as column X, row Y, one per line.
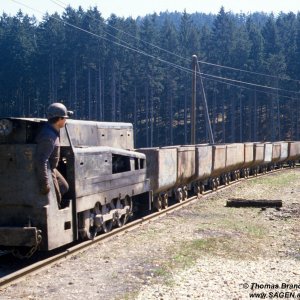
column 48, row 150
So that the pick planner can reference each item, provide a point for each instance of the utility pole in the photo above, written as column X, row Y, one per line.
column 193, row 108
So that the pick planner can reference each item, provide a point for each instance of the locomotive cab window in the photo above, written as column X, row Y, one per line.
column 120, row 163
column 136, row 163
column 142, row 164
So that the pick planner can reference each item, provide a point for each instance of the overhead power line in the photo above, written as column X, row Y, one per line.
column 246, row 71
column 64, row 5
column 106, row 39
column 172, row 53
column 174, row 65
column 251, row 84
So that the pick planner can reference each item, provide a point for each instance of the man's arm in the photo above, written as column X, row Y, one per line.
column 44, row 149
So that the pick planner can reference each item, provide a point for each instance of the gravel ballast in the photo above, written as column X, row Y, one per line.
column 204, row 251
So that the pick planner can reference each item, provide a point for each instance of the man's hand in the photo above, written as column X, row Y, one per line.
column 44, row 190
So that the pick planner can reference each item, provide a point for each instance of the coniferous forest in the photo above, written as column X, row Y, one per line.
column 140, row 71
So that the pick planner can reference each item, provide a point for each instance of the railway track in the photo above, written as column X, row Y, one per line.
column 37, row 266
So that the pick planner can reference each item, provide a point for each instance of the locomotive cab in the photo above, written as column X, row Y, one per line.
column 28, row 219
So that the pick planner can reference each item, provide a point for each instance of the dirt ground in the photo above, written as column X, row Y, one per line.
column 204, row 251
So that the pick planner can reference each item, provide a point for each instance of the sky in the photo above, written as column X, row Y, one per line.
column 135, row 8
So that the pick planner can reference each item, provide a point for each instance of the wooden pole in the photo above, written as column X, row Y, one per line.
column 193, row 108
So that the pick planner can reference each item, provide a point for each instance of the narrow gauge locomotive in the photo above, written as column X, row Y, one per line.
column 106, row 179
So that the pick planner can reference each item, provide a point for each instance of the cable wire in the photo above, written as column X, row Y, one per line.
column 250, row 72
column 181, row 68
column 128, row 34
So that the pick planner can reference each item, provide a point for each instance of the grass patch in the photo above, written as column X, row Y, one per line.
column 279, row 181
column 244, row 227
column 185, row 255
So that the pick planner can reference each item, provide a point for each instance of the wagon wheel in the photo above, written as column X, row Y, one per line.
column 214, row 184
column 184, row 193
column 157, row 203
column 202, row 188
column 197, row 189
column 179, row 195
column 226, row 179
column 165, row 200
column 256, row 171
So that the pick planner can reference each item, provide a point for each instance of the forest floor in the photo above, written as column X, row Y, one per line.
column 203, row 251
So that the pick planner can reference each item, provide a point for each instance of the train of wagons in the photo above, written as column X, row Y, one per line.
column 110, row 180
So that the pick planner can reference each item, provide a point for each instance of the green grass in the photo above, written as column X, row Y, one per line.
column 279, row 181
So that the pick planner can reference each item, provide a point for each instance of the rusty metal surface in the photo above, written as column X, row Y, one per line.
column 82, row 164
column 249, row 155
column 259, row 153
column 235, row 156
column 161, row 167
column 284, row 153
column 203, row 161
column 219, row 159
column 15, row 236
column 268, row 152
column 186, row 167
column 90, row 133
column 276, row 152
column 95, row 177
column 294, row 150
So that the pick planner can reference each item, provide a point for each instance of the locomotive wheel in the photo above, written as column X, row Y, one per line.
column 88, row 231
column 107, row 226
column 124, row 218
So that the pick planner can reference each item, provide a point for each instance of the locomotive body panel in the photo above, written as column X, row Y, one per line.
column 104, row 173
column 24, row 211
column 90, row 133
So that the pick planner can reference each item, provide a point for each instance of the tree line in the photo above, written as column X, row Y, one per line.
column 139, row 71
